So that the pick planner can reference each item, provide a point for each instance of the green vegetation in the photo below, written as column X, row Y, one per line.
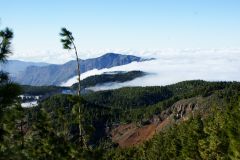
column 11, row 138
column 107, row 78
column 52, row 127
column 42, row 90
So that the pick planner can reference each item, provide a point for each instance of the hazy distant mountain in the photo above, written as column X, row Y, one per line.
column 56, row 74
column 14, row 67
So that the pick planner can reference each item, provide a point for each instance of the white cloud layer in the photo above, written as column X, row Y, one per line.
column 171, row 67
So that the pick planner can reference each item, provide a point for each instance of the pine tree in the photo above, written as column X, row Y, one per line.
column 68, row 43
column 9, row 106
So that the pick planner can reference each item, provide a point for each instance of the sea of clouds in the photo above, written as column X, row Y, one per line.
column 170, row 67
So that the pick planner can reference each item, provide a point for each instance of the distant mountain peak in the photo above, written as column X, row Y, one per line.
column 57, row 74
column 111, row 54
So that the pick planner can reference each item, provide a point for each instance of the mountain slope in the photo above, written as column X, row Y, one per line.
column 56, row 74
column 208, row 128
column 187, row 120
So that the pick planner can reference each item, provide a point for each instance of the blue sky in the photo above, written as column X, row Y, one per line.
column 121, row 25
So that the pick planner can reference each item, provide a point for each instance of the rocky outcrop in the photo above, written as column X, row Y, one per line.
column 131, row 134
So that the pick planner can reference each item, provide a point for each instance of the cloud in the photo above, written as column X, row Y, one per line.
column 42, row 56
column 171, row 67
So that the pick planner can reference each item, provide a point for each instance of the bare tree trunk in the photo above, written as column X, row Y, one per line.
column 78, row 70
column 81, row 138
column 79, row 91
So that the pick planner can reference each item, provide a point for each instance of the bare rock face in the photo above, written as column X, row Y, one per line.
column 185, row 108
column 182, row 110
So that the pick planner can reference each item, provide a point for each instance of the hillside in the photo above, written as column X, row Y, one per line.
column 190, row 119
column 104, row 78
column 195, row 128
column 182, row 110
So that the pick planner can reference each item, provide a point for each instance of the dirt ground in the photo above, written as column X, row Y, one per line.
column 128, row 135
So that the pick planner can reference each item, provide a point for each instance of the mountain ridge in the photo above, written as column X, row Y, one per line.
column 55, row 74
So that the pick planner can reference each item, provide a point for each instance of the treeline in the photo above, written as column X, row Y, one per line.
column 42, row 90
column 108, row 77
